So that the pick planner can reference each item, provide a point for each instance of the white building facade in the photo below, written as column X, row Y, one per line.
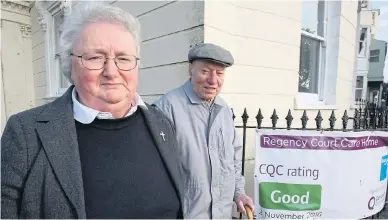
column 17, row 82
column 298, row 56
column 368, row 26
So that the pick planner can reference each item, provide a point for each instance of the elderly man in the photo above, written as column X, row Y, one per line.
column 209, row 148
column 98, row 151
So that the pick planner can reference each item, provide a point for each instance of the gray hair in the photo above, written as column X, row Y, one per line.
column 88, row 12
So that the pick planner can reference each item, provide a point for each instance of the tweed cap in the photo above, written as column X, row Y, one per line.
column 211, row 52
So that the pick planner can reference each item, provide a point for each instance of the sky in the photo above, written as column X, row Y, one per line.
column 382, row 33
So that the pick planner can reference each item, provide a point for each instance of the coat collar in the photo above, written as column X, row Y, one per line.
column 156, row 124
column 56, row 129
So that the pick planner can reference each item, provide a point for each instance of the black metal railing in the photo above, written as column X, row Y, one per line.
column 366, row 117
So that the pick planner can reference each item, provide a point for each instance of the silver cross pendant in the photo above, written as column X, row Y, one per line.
column 162, row 134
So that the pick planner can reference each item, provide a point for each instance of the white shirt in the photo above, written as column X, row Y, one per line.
column 86, row 115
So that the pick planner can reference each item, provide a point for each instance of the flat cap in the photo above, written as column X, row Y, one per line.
column 211, row 52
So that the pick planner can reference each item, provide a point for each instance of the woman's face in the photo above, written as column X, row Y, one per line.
column 109, row 85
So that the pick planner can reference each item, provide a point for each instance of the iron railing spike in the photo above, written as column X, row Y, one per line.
column 319, row 120
column 274, row 119
column 345, row 119
column 332, row 120
column 304, row 120
column 289, row 119
column 245, row 116
column 259, row 118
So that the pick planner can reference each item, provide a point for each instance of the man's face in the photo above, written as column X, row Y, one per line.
column 207, row 78
column 109, row 85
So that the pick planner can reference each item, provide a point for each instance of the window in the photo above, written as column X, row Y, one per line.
column 63, row 83
column 374, row 95
column 360, row 91
column 318, row 61
column 363, row 42
column 52, row 14
column 312, row 47
column 374, row 56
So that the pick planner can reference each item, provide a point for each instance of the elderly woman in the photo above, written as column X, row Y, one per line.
column 98, row 151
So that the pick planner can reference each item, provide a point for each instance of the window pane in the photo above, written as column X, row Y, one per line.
column 358, row 94
column 313, row 13
column 362, row 48
column 374, row 59
column 360, row 82
column 363, row 42
column 64, row 82
column 58, row 21
column 363, row 33
column 309, row 65
column 375, row 52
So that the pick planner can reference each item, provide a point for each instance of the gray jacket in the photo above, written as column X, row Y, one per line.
column 209, row 150
column 40, row 162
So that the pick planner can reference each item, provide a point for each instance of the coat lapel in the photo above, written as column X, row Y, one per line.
column 166, row 146
column 56, row 129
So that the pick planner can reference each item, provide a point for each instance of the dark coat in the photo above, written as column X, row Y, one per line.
column 40, row 162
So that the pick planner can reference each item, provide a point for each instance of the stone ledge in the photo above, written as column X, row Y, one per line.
column 19, row 7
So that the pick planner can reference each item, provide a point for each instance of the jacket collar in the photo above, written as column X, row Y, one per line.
column 56, row 130
column 165, row 147
column 59, row 108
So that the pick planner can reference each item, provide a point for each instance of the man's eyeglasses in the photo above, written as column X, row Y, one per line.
column 96, row 61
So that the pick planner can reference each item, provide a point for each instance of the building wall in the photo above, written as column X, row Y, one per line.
column 376, row 69
column 253, row 31
column 163, row 50
column 346, row 63
column 38, row 56
column 366, row 16
column 257, row 75
column 16, row 59
column 265, row 41
column 168, row 30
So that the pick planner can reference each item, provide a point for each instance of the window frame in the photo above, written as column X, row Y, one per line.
column 365, row 43
column 56, row 54
column 317, row 98
column 363, row 89
column 374, row 56
column 48, row 10
column 326, row 99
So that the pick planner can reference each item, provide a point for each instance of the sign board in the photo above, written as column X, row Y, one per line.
column 314, row 174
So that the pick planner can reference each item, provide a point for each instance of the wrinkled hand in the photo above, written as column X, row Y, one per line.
column 241, row 201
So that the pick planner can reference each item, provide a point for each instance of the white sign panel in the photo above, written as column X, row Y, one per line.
column 313, row 174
